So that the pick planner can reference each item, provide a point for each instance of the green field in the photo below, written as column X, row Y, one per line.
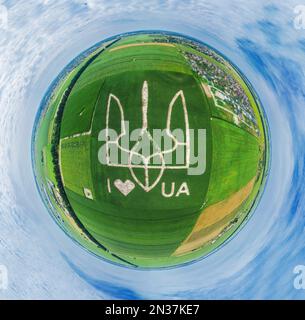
column 146, row 229
column 77, row 151
column 230, row 170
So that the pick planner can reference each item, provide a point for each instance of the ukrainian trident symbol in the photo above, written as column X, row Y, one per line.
column 146, row 154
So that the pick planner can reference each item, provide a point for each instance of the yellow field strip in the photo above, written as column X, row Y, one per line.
column 207, row 90
column 141, row 44
column 210, row 216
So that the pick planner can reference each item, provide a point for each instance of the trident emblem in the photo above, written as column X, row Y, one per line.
column 138, row 159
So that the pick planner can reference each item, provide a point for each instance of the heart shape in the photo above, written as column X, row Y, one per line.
column 124, row 187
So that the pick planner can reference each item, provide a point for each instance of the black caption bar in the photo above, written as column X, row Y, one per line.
column 144, row 309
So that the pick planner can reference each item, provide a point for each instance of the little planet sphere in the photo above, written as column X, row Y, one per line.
column 150, row 150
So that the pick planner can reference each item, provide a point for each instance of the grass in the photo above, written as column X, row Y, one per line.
column 235, row 160
column 81, row 103
column 75, row 164
column 144, row 228
column 143, row 231
column 45, row 170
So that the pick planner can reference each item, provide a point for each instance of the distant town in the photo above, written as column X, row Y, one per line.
column 229, row 97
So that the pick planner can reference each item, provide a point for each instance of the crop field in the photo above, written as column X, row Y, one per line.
column 235, row 160
column 149, row 217
column 75, row 161
column 166, row 223
column 86, row 91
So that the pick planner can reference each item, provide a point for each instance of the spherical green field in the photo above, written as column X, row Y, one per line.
column 150, row 150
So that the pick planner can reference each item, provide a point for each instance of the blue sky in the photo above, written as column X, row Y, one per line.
column 258, row 36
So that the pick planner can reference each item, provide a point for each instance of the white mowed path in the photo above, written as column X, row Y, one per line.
column 144, row 134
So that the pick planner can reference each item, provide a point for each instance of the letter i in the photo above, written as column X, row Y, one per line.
column 108, row 185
